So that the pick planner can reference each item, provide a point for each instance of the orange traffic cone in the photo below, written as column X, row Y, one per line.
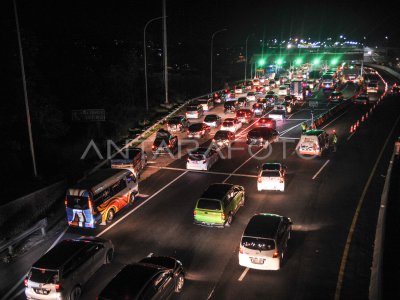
column 351, row 129
column 362, row 119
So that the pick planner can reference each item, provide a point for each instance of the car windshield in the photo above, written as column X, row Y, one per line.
column 270, row 173
column 197, row 126
column 221, row 135
column 255, row 243
column 210, row 118
column 77, row 202
column 174, row 120
column 209, row 204
column 227, row 124
column 282, row 87
column 191, row 108
column 196, row 156
column 44, row 276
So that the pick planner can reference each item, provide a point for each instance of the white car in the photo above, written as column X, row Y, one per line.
column 283, row 91
column 229, row 126
column 278, row 112
column 251, row 96
column 238, row 90
column 264, row 241
column 201, row 159
column 270, row 180
column 235, row 121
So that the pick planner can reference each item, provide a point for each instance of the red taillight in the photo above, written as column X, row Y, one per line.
column 259, row 179
column 65, row 202
column 222, row 216
column 241, row 250
column 194, row 213
column 281, row 180
column 276, row 254
column 153, row 147
column 58, row 287
column 257, row 123
column 204, row 161
column 26, row 281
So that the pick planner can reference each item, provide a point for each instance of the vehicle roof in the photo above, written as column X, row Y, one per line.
column 217, row 191
column 129, row 152
column 100, row 178
column 314, row 132
column 263, row 225
column 271, row 166
column 61, row 254
column 130, row 281
column 200, row 150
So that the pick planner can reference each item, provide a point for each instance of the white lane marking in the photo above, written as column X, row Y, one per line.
column 137, row 207
column 17, row 294
column 242, row 164
column 355, row 218
column 323, row 127
column 288, row 138
column 150, row 254
column 212, row 292
column 243, row 274
column 349, row 137
column 22, row 279
column 56, row 241
column 207, row 172
column 319, row 171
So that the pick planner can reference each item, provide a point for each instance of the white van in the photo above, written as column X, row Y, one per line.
column 313, row 142
column 264, row 242
column 207, row 103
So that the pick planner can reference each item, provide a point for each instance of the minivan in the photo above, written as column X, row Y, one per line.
column 207, row 103
column 264, row 242
column 218, row 205
column 62, row 271
column 313, row 142
column 194, row 111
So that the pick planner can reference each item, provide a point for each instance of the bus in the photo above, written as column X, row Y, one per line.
column 97, row 198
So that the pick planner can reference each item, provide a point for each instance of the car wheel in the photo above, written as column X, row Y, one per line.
column 230, row 220
column 180, row 281
column 131, row 198
column 110, row 216
column 76, row 293
column 109, row 256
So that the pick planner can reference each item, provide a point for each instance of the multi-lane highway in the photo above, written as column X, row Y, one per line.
column 323, row 197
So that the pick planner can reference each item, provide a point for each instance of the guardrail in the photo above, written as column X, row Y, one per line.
column 375, row 285
column 42, row 224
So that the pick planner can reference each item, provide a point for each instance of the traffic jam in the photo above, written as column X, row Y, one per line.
column 256, row 131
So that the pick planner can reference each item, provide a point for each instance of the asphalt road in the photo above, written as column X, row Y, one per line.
column 321, row 197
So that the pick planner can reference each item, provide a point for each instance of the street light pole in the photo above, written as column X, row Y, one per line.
column 245, row 63
column 28, row 117
column 211, row 69
column 145, row 59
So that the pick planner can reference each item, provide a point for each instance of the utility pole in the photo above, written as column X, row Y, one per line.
column 165, row 52
column 28, row 117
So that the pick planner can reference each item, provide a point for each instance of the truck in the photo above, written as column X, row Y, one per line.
column 296, row 88
column 130, row 158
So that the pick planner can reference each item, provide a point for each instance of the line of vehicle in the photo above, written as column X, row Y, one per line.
column 141, row 204
column 346, row 250
column 319, row 171
column 204, row 171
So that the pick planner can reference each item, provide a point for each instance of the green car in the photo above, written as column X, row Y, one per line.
column 218, row 204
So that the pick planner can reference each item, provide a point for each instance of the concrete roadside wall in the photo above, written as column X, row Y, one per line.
column 18, row 214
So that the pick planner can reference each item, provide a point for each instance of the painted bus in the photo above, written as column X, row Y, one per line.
column 97, row 198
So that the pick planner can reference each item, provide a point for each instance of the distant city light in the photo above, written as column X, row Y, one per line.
column 289, row 46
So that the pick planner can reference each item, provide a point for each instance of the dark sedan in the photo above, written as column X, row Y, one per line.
column 198, row 130
column 262, row 136
column 155, row 277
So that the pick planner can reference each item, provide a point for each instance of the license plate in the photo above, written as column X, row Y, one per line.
column 256, row 260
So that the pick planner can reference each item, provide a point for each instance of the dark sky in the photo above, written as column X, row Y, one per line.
column 196, row 20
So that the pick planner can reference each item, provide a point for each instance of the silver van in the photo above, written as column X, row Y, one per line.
column 61, row 272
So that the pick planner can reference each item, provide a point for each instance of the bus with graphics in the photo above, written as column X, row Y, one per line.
column 97, row 198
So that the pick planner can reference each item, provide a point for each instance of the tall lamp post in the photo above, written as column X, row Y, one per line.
column 28, row 116
column 211, row 69
column 145, row 59
column 245, row 63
